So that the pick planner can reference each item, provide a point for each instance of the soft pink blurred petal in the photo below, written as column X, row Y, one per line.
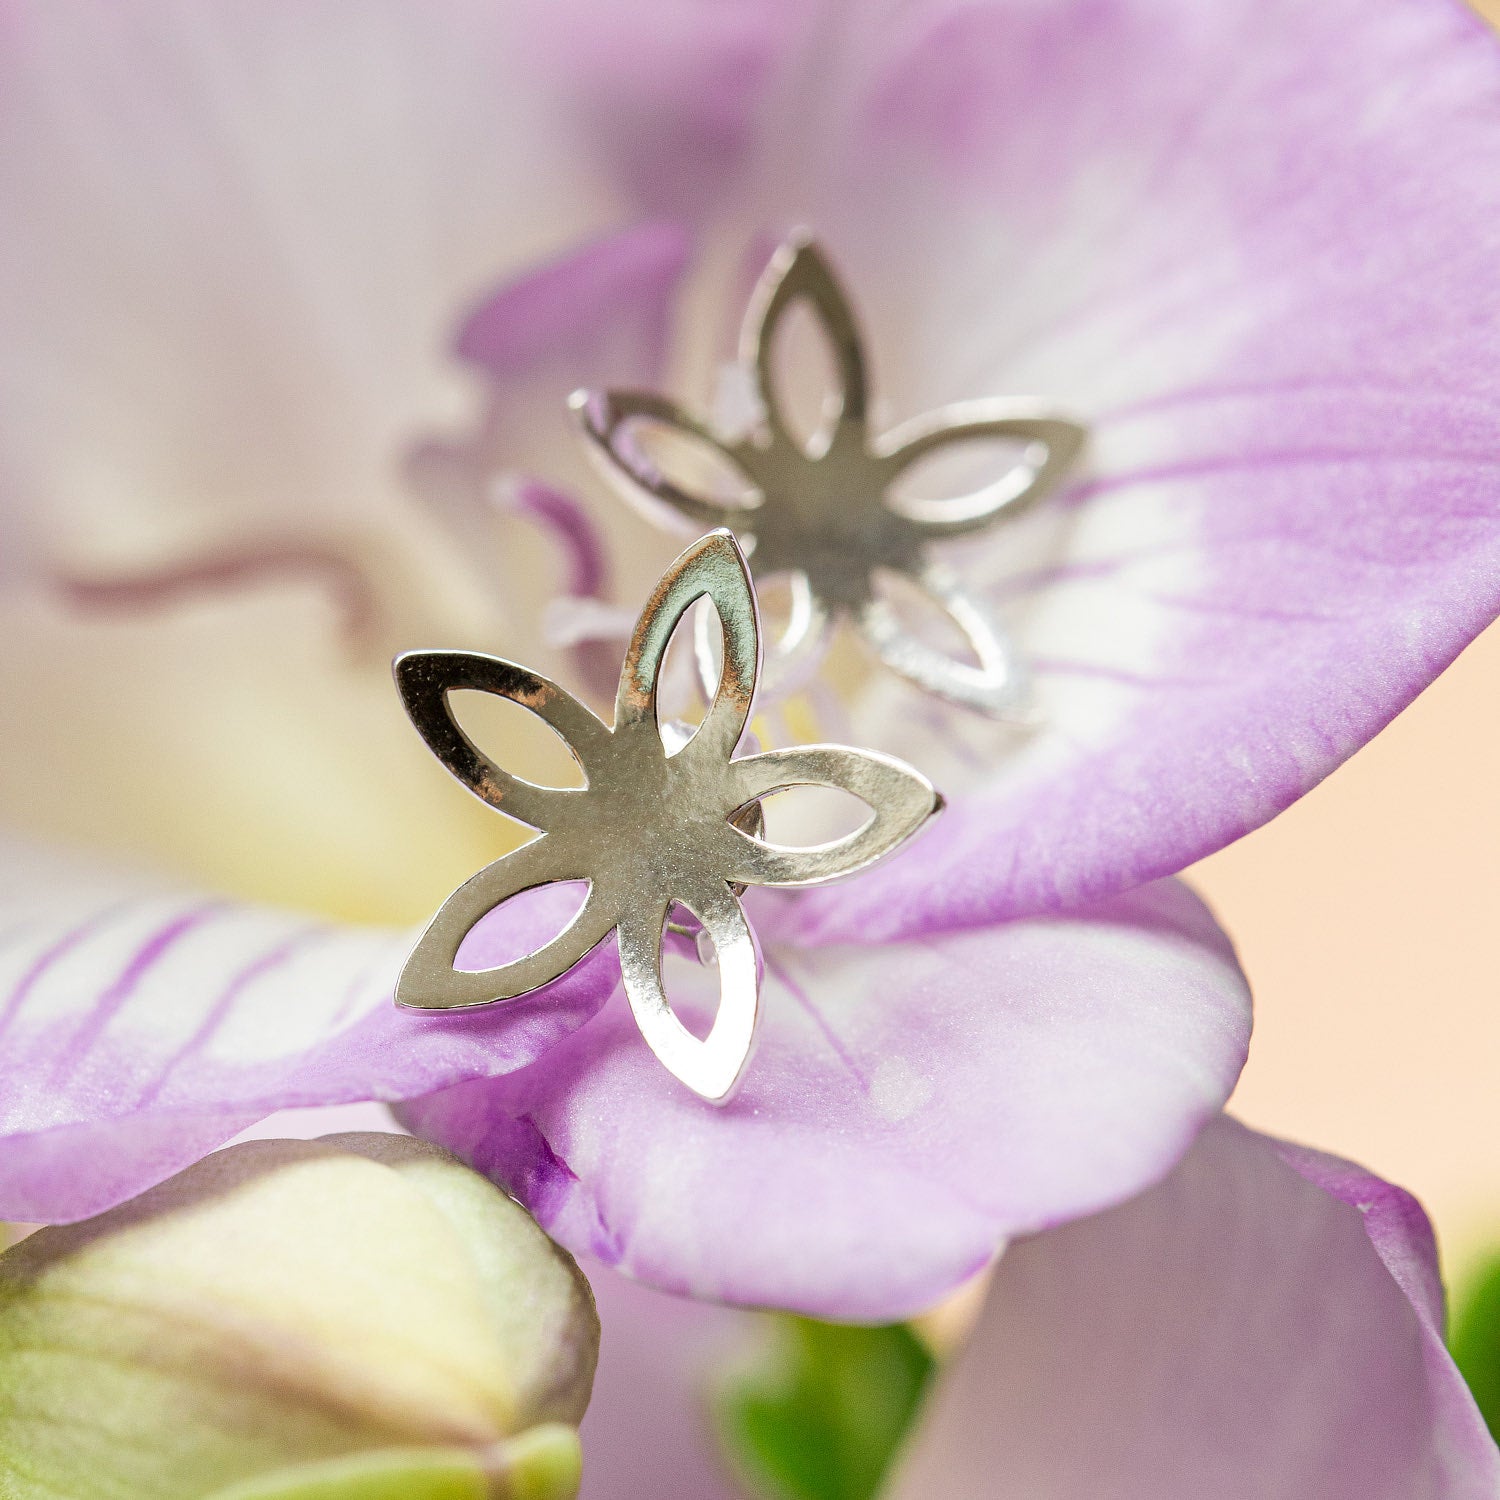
column 1266, row 1324
column 602, row 313
column 232, row 741
column 248, row 230
column 908, row 1107
column 142, row 1028
column 607, row 304
column 648, row 1432
column 672, row 100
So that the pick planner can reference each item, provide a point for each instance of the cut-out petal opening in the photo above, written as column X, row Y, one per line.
column 800, row 817
column 799, row 277
column 691, row 671
column 427, row 679
column 531, row 748
column 900, row 800
column 956, row 470
column 684, row 459
column 710, row 1065
column 922, row 612
column 471, row 921
column 656, row 455
column 806, row 374
column 690, row 971
column 530, row 920
column 713, row 568
column 966, row 480
column 795, row 631
column 984, row 677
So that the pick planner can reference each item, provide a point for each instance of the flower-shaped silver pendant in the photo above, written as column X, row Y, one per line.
column 658, row 824
column 826, row 512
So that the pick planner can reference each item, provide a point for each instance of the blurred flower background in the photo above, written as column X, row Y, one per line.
column 235, row 401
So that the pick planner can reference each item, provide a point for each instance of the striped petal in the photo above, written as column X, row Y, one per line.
column 140, row 1027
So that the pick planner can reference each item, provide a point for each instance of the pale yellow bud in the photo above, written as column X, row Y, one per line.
column 357, row 1317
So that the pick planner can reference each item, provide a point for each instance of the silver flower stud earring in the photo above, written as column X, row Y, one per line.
column 824, row 512
column 658, row 823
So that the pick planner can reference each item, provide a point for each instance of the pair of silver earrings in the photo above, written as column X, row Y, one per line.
column 661, row 824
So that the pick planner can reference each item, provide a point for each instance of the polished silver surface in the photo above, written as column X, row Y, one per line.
column 824, row 511
column 659, row 823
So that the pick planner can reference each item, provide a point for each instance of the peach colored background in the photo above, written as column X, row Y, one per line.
column 1368, row 919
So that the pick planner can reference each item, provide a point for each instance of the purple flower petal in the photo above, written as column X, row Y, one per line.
column 603, row 309
column 1262, row 276
column 139, row 1030
column 909, row 1106
column 1250, row 246
column 1266, row 1324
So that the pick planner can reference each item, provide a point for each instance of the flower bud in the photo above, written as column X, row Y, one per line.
column 360, row 1316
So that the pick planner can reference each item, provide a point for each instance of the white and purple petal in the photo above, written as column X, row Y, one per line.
column 141, row 1028
column 909, row 1106
column 1265, row 1324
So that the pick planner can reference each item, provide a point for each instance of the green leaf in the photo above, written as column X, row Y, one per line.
column 821, row 1415
column 1474, row 1338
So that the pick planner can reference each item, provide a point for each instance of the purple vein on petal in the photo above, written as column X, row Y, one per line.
column 237, row 566
column 1175, row 147
column 819, row 1020
column 1258, row 391
column 568, row 523
column 1310, row 458
column 1164, row 296
column 1048, row 666
column 1103, row 299
column 222, row 1008
column 355, row 990
column 142, row 961
column 50, row 955
column 1241, row 611
column 1033, row 580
